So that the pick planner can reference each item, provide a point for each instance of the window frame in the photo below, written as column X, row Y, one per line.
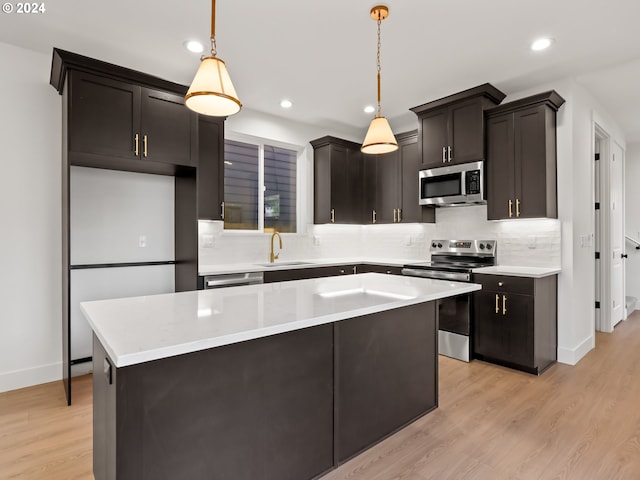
column 260, row 142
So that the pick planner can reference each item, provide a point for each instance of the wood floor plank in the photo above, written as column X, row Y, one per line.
column 493, row 423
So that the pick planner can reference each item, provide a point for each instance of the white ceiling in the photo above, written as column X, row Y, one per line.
column 322, row 55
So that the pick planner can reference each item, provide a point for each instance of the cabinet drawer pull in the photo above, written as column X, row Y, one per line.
column 395, row 219
column 144, row 146
column 504, row 305
column 497, row 303
column 136, row 144
column 444, row 154
column 373, row 216
column 500, row 284
column 517, row 207
column 510, row 209
column 399, row 215
column 449, row 155
column 222, row 210
column 333, row 215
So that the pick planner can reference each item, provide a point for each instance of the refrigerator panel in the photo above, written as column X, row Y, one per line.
column 106, row 283
column 120, row 216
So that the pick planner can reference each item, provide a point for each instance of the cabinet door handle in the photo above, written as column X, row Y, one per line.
column 373, row 216
column 136, row 144
column 497, row 303
column 355, row 269
column 342, row 270
column 395, row 219
column 510, row 208
column 504, row 304
column 333, row 215
column 517, row 207
column 399, row 215
column 144, row 146
column 449, row 155
column 444, row 154
column 222, row 210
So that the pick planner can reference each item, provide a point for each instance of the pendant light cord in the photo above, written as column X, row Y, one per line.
column 213, row 28
column 378, row 63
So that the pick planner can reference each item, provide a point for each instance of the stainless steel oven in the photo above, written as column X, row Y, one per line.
column 453, row 185
column 455, row 260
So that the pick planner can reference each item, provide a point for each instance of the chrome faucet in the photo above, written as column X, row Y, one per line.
column 272, row 256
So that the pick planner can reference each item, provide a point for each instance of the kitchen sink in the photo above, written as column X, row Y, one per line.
column 282, row 264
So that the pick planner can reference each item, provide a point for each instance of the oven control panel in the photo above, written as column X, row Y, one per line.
column 463, row 246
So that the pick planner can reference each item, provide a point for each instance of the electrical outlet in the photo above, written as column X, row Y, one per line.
column 531, row 243
column 142, row 241
column 207, row 240
column 316, row 240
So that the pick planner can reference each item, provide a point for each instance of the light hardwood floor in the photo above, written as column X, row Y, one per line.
column 493, row 423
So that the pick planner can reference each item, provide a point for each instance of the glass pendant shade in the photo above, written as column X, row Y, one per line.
column 379, row 138
column 211, row 92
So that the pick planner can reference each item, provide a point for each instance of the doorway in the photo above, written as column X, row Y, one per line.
column 609, row 230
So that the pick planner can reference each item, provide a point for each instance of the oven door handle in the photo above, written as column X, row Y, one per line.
column 437, row 275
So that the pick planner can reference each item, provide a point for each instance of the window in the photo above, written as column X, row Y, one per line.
column 252, row 204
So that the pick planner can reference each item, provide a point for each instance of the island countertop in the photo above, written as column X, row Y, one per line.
column 141, row 329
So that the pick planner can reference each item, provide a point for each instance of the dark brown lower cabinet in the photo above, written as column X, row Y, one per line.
column 515, row 321
column 386, row 375
column 288, row 406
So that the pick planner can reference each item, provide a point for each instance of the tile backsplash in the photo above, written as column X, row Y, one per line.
column 520, row 242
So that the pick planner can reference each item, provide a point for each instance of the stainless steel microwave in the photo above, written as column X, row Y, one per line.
column 453, row 185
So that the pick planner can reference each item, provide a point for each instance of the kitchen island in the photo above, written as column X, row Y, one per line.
column 274, row 381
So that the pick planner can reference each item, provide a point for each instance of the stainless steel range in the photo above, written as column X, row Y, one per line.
column 455, row 260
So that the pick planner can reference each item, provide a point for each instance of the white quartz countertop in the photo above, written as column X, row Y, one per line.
column 140, row 329
column 517, row 271
column 292, row 264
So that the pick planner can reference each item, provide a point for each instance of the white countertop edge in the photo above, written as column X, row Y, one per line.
column 222, row 269
column 204, row 344
column 519, row 271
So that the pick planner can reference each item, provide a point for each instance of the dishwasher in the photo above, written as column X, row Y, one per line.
column 230, row 280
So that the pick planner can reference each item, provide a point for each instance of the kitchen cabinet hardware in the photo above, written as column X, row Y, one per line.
column 144, row 146
column 455, row 125
column 373, row 219
column 137, row 140
column 515, row 321
column 395, row 215
column 333, row 215
column 222, row 210
column 399, row 215
column 521, row 158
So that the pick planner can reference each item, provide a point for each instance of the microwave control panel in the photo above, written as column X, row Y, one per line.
column 472, row 182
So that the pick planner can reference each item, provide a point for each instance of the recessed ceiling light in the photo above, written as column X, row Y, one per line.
column 286, row 104
column 194, row 46
column 369, row 109
column 541, row 44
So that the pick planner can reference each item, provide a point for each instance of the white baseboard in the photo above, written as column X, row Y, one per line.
column 30, row 376
column 572, row 356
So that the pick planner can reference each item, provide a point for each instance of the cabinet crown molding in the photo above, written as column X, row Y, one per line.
column 62, row 61
column 551, row 99
column 485, row 90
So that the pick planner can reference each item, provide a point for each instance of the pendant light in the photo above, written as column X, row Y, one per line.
column 211, row 92
column 379, row 138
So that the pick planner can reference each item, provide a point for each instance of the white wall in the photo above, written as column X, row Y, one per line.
column 632, row 220
column 30, row 208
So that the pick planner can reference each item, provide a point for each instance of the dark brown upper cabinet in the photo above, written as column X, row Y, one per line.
column 391, row 185
column 337, row 181
column 210, row 172
column 451, row 130
column 521, row 158
column 115, row 119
